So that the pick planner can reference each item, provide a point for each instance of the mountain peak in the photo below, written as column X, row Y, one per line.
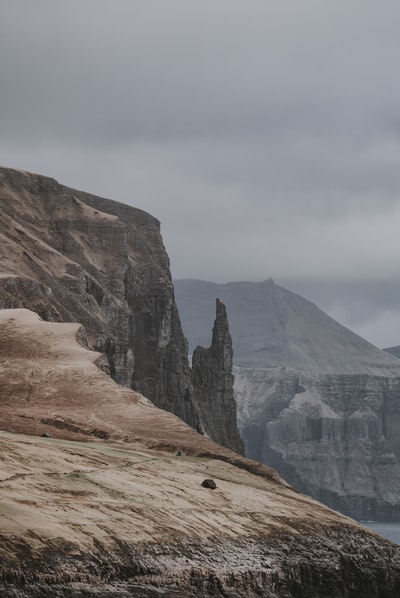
column 272, row 326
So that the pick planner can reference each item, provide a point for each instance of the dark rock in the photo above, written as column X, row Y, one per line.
column 316, row 402
column 74, row 257
column 209, row 483
column 316, row 565
column 273, row 327
column 213, row 385
column 71, row 256
column 45, row 435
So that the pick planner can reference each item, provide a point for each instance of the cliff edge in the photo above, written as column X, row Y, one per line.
column 73, row 257
column 102, row 495
column 315, row 401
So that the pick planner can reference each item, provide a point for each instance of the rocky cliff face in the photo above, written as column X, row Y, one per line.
column 273, row 327
column 333, row 437
column 328, row 419
column 337, row 564
column 71, row 256
column 123, row 512
column 213, row 384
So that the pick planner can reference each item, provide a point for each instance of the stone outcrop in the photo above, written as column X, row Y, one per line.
column 273, row 327
column 213, row 384
column 333, row 565
column 74, row 257
column 336, row 438
column 120, row 514
column 328, row 419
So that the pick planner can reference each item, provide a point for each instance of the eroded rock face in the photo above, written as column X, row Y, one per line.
column 273, row 327
column 121, row 514
column 327, row 417
column 334, row 565
column 213, row 384
column 334, row 437
column 74, row 257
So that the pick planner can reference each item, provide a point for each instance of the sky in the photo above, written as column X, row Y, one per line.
column 263, row 134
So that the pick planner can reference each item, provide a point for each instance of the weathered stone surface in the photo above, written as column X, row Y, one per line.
column 273, row 327
column 335, row 565
column 328, row 421
column 213, row 384
column 118, row 514
column 74, row 257
column 336, row 438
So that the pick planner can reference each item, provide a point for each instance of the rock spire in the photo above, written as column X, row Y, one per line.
column 213, row 384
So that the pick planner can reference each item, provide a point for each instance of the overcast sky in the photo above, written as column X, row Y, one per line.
column 264, row 134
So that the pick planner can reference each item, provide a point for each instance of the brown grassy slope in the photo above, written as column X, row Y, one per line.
column 107, row 500
column 50, row 383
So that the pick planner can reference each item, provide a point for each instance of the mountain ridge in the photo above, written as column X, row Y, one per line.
column 324, row 410
column 270, row 325
column 395, row 351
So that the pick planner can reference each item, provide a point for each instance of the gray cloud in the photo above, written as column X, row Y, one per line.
column 264, row 135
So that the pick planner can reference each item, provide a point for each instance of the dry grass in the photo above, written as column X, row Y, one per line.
column 110, row 471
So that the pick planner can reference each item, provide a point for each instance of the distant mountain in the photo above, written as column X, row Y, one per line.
column 393, row 351
column 273, row 327
column 315, row 401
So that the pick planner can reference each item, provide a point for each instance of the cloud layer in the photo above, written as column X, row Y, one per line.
column 264, row 135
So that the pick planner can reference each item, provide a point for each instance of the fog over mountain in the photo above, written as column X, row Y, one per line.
column 273, row 327
column 315, row 401
column 263, row 135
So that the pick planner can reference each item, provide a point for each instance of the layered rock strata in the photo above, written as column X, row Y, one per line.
column 336, row 438
column 273, row 327
column 110, row 503
column 213, row 384
column 328, row 420
column 335, row 564
column 74, row 257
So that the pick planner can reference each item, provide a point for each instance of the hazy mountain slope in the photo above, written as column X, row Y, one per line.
column 393, row 351
column 272, row 326
column 328, row 416
column 123, row 515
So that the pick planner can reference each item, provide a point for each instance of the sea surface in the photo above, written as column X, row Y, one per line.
column 391, row 531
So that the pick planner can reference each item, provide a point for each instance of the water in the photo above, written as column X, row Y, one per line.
column 391, row 531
